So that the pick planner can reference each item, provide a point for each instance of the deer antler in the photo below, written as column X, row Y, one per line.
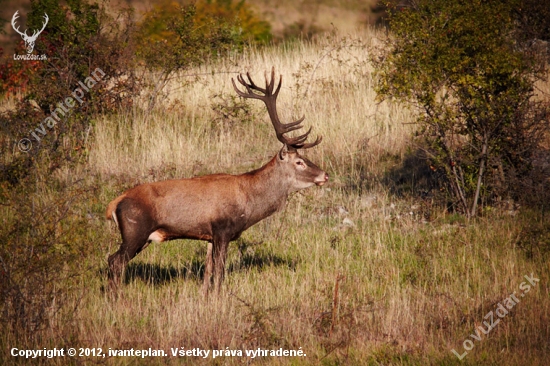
column 270, row 99
column 24, row 34
column 36, row 33
column 29, row 40
column 13, row 19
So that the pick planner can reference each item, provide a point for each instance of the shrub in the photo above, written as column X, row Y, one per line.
column 80, row 38
column 42, row 245
column 252, row 29
column 173, row 37
column 43, row 237
column 472, row 83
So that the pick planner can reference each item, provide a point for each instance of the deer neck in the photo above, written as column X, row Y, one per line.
column 268, row 189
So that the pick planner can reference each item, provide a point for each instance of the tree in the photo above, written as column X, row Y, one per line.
column 471, row 79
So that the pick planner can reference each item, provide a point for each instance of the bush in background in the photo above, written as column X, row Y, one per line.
column 473, row 84
column 45, row 236
column 80, row 37
column 173, row 38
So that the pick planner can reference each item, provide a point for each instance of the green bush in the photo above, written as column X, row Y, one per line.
column 44, row 238
column 472, row 82
column 251, row 28
column 79, row 39
column 173, row 38
column 43, row 245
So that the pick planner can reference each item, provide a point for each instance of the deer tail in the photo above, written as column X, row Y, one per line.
column 110, row 214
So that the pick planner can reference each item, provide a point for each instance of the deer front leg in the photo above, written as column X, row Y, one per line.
column 207, row 270
column 219, row 256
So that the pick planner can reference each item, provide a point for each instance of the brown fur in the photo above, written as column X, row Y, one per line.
column 112, row 206
column 215, row 208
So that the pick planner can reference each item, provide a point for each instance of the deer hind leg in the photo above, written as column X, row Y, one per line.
column 117, row 263
column 135, row 236
column 207, row 270
column 119, row 260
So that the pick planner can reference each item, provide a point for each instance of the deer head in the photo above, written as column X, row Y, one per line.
column 29, row 40
column 300, row 171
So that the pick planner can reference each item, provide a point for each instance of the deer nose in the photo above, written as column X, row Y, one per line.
column 322, row 181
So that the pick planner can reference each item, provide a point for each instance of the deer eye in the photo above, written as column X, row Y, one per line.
column 300, row 163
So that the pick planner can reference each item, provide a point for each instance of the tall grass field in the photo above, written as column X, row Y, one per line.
column 356, row 272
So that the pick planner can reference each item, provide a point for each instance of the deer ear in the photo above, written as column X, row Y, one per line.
column 283, row 153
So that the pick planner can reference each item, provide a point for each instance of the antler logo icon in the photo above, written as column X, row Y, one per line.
column 29, row 40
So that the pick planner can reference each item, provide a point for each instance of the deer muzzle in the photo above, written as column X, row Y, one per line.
column 322, row 180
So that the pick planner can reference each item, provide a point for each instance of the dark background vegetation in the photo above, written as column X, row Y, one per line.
column 474, row 84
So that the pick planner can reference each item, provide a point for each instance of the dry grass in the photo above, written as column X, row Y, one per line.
column 327, row 81
column 408, row 291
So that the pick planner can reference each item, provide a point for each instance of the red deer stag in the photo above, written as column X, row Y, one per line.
column 216, row 208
